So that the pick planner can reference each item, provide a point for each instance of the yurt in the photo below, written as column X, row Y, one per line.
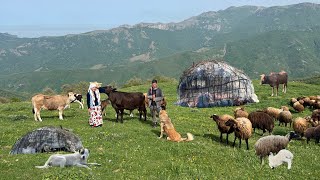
column 214, row 83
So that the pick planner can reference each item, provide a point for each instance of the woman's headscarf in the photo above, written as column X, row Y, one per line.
column 92, row 97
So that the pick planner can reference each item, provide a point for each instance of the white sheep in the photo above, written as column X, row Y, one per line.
column 284, row 156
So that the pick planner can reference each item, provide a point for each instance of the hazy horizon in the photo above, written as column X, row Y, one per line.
column 35, row 18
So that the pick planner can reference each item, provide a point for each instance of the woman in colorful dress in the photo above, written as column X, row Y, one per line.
column 94, row 104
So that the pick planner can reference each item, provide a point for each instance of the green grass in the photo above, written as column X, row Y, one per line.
column 132, row 150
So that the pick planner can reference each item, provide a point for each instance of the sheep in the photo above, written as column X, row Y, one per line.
column 242, row 129
column 300, row 125
column 284, row 108
column 261, row 121
column 292, row 101
column 315, row 115
column 272, row 143
column 298, row 107
column 220, row 120
column 313, row 132
column 285, row 117
column 283, row 156
column 240, row 112
column 273, row 112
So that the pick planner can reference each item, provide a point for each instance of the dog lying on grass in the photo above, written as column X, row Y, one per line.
column 168, row 128
column 78, row 159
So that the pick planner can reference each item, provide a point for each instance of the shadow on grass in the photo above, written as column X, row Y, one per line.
column 215, row 138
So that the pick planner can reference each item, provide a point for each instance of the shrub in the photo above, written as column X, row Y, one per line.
column 133, row 82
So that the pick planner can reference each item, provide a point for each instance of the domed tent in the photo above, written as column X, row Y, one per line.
column 214, row 83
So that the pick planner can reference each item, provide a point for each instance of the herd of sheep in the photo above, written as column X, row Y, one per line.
column 243, row 123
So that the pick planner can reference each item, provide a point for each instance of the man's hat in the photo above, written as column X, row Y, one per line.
column 154, row 81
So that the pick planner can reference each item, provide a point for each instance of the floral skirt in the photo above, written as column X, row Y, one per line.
column 95, row 118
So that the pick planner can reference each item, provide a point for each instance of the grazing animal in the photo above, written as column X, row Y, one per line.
column 300, row 125
column 283, row 156
column 273, row 112
column 79, row 100
column 78, row 159
column 242, row 129
column 104, row 105
column 56, row 102
column 168, row 128
column 298, row 107
column 261, row 120
column 313, row 132
column 285, row 117
column 221, row 123
column 240, row 112
column 126, row 100
column 272, row 143
column 274, row 79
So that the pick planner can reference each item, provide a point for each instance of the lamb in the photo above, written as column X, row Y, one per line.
column 298, row 107
column 240, row 112
column 300, row 125
column 261, row 121
column 242, row 129
column 313, row 132
column 284, row 156
column 221, row 120
column 285, row 117
column 292, row 101
column 272, row 143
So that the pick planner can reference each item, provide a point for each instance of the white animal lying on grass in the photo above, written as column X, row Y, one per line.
column 78, row 159
column 284, row 156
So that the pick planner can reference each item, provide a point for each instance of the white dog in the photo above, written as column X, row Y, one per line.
column 283, row 156
column 78, row 159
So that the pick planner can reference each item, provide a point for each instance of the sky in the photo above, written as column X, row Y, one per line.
column 34, row 18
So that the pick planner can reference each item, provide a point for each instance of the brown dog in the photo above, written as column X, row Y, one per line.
column 168, row 128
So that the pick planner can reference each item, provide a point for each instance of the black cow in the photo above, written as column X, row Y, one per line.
column 126, row 100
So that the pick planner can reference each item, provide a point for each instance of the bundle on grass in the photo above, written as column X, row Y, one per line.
column 221, row 120
column 242, row 129
column 261, row 120
column 283, row 156
column 240, row 112
column 272, row 143
column 285, row 117
column 313, row 133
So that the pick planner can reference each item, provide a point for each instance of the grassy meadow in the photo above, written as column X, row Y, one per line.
column 132, row 150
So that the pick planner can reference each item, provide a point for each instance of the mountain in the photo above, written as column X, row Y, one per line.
column 255, row 39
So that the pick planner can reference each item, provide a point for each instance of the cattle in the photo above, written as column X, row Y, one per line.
column 55, row 102
column 79, row 100
column 274, row 79
column 104, row 105
column 126, row 100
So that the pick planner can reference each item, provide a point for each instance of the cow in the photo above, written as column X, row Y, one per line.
column 126, row 100
column 79, row 100
column 55, row 102
column 274, row 79
column 104, row 105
